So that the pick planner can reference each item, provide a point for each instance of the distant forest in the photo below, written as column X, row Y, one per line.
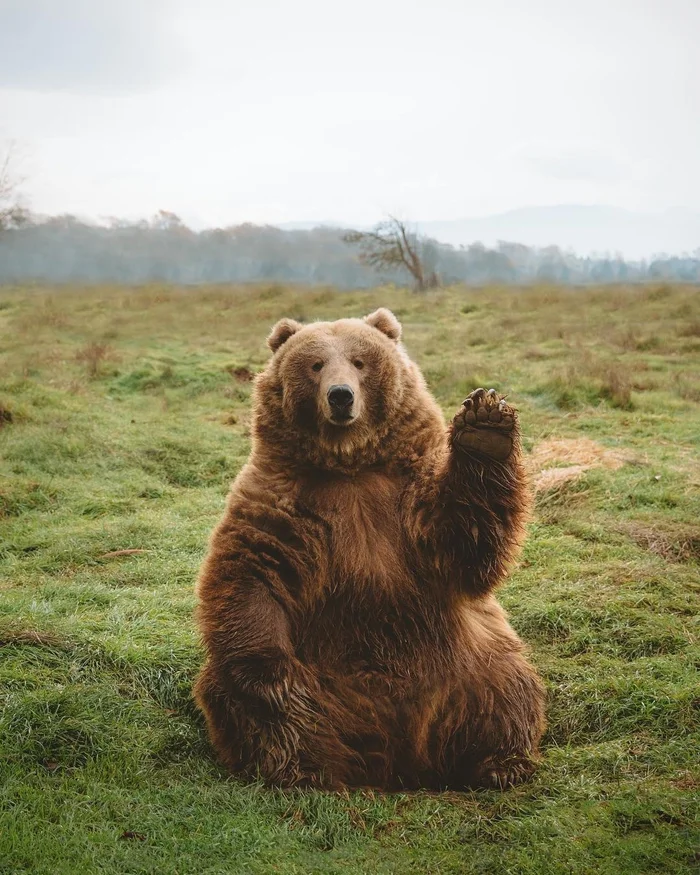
column 64, row 249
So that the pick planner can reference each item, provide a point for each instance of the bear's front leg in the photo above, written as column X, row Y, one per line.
column 280, row 734
column 488, row 494
column 267, row 713
column 471, row 502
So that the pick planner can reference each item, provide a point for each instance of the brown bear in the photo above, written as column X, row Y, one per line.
column 346, row 600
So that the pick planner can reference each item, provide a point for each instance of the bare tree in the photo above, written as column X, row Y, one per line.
column 12, row 214
column 391, row 245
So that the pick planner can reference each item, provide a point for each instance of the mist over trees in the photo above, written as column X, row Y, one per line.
column 64, row 249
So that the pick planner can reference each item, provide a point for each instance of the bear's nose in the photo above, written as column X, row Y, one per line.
column 340, row 397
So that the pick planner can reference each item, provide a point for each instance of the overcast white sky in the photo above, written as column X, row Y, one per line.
column 276, row 110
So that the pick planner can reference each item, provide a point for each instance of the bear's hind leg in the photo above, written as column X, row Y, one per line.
column 497, row 745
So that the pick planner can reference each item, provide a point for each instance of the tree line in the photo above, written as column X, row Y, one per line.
column 63, row 249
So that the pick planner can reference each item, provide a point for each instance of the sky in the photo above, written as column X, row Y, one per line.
column 277, row 111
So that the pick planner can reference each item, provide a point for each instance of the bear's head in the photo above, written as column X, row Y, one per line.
column 333, row 389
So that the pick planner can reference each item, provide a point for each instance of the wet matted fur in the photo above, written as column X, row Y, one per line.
column 346, row 600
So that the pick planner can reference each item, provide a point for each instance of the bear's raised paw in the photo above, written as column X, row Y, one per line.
column 485, row 424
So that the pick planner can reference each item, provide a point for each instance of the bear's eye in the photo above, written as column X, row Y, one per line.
column 316, row 366
column 359, row 364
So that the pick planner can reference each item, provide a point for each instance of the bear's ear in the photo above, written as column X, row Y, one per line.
column 281, row 333
column 385, row 321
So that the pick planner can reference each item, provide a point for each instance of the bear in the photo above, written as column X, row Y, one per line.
column 346, row 601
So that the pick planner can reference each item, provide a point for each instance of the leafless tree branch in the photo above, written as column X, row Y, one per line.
column 392, row 245
column 12, row 214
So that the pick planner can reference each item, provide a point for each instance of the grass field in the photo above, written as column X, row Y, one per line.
column 125, row 413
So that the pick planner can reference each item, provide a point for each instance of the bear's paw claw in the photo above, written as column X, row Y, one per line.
column 500, row 775
column 485, row 424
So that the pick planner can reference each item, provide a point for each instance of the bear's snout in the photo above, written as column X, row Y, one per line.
column 340, row 398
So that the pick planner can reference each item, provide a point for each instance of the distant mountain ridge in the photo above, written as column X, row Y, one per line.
column 584, row 229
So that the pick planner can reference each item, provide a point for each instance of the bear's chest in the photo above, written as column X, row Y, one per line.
column 365, row 539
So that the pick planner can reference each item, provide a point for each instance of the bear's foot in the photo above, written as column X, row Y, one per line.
column 498, row 773
column 485, row 424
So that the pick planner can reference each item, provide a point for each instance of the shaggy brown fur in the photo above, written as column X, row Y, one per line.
column 345, row 603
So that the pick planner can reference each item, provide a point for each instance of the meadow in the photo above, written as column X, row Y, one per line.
column 124, row 415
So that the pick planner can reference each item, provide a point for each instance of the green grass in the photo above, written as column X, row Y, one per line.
column 124, row 414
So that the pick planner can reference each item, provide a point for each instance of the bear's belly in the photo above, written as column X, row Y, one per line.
column 366, row 544
column 377, row 643
column 407, row 647
column 374, row 622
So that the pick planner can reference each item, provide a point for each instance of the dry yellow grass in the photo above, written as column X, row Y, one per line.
column 559, row 460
